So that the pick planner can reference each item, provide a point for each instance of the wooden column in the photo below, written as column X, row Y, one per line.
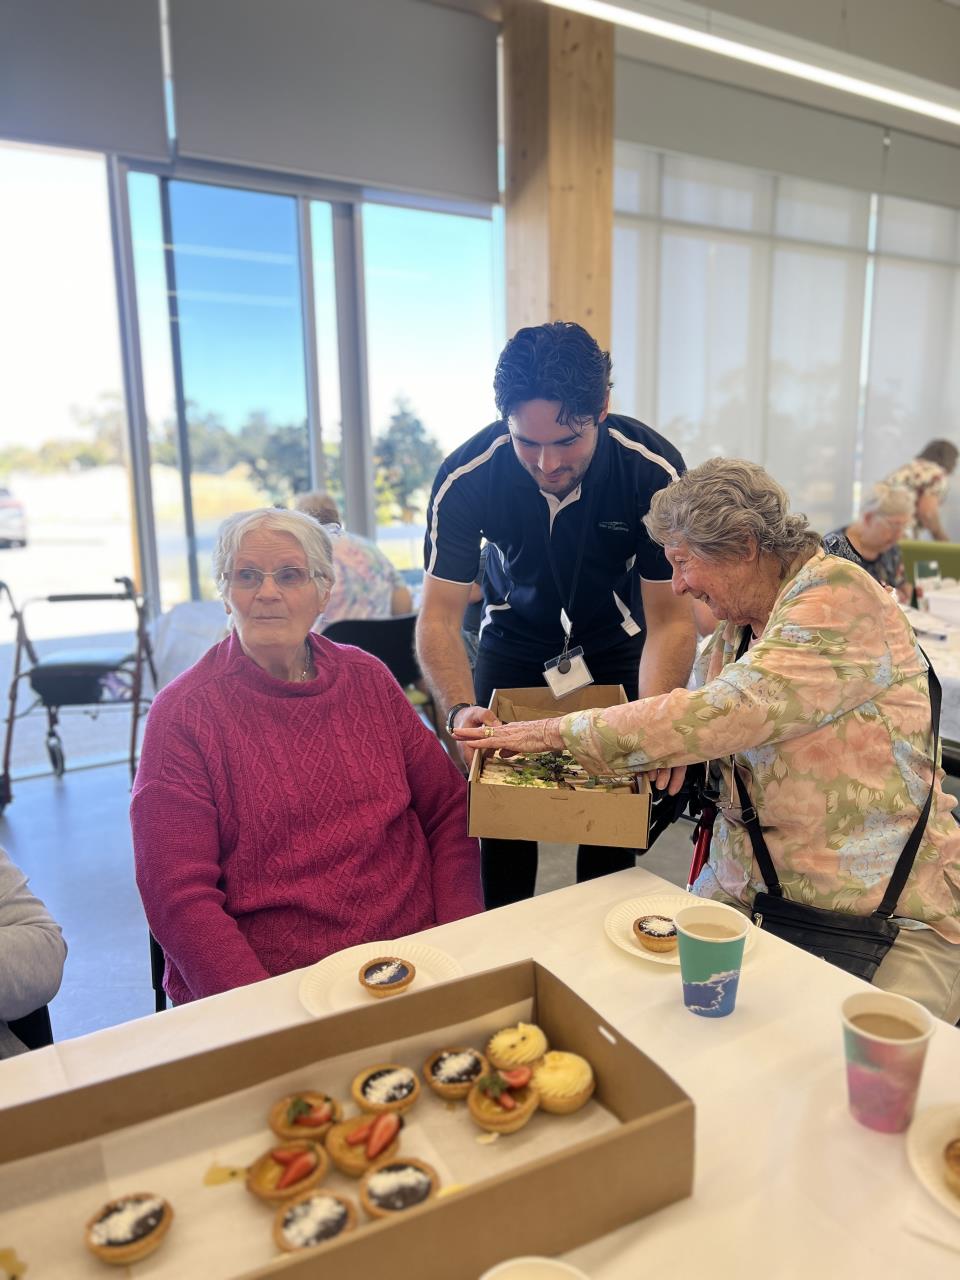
column 558, row 94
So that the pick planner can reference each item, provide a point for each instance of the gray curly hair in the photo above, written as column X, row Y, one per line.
column 718, row 507
column 312, row 538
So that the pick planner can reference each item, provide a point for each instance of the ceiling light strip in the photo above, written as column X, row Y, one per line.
column 759, row 57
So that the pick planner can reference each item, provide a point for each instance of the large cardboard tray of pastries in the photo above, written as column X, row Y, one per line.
column 556, row 1183
column 613, row 811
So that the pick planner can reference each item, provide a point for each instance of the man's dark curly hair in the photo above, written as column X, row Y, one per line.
column 558, row 361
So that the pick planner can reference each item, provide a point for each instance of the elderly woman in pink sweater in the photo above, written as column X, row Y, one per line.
column 289, row 801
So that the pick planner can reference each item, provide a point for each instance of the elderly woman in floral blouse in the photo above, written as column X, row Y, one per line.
column 827, row 715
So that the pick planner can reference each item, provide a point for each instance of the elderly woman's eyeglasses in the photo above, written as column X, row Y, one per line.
column 287, row 578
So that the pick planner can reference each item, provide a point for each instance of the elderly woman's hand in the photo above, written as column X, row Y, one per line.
column 521, row 735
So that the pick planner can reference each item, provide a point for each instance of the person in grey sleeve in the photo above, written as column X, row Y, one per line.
column 32, row 952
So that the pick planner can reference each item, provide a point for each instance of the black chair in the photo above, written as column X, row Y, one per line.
column 33, row 1029
column 157, row 962
column 390, row 640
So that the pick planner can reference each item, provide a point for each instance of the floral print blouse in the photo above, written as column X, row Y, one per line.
column 828, row 717
column 365, row 580
column 920, row 476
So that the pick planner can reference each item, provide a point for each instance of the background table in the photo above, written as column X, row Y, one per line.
column 787, row 1184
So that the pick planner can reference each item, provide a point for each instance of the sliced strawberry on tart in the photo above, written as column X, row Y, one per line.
column 503, row 1101
column 304, row 1115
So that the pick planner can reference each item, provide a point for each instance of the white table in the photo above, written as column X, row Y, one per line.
column 787, row 1184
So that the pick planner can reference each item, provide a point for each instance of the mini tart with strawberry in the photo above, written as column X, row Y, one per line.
column 355, row 1144
column 503, row 1101
column 284, row 1171
column 387, row 1087
column 564, row 1081
column 386, row 976
column 519, row 1046
column 128, row 1228
column 311, row 1219
column 453, row 1072
column 394, row 1185
column 304, row 1115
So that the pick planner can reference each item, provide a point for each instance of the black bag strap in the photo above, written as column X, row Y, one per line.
column 905, row 862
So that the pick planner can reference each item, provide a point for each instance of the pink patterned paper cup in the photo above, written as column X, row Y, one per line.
column 885, row 1038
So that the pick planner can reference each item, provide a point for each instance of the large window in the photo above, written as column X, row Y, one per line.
column 65, row 524
column 433, row 334
column 808, row 327
column 235, row 434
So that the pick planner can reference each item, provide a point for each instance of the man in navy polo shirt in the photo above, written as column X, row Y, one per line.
column 558, row 487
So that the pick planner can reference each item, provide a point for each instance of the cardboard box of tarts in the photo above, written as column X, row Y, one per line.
column 558, row 1183
column 505, row 807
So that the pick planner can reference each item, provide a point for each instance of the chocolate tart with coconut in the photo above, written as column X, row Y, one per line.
column 387, row 1087
column 304, row 1115
column 656, row 933
column 452, row 1073
column 312, row 1219
column 128, row 1228
column 395, row 1185
column 386, row 976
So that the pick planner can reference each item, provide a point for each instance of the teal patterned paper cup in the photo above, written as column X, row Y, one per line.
column 710, row 965
column 883, row 1074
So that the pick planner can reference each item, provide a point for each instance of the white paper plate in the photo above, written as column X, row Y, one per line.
column 618, row 925
column 333, row 982
column 930, row 1132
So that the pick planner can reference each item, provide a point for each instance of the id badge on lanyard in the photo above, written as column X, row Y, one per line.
column 568, row 671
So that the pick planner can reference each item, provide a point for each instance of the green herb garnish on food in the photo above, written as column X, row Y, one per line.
column 297, row 1108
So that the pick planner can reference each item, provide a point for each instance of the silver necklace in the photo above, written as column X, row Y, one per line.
column 305, row 673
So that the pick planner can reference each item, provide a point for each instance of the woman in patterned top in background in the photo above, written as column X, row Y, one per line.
column 871, row 540
column 367, row 585
column 827, row 716
column 927, row 476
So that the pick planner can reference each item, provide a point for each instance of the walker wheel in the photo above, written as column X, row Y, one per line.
column 55, row 752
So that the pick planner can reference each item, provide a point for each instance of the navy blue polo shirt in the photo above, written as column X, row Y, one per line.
column 482, row 491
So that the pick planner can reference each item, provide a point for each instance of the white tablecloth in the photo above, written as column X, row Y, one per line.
column 787, row 1184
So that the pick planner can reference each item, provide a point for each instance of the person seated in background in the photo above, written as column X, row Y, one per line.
column 927, row 476
column 367, row 585
column 32, row 952
column 289, row 801
column 871, row 540
column 826, row 717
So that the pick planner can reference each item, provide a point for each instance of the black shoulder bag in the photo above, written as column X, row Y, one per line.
column 855, row 943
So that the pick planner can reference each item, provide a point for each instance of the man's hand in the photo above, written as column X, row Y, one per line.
column 669, row 779
column 471, row 718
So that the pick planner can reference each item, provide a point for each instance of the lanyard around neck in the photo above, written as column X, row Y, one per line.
column 567, row 598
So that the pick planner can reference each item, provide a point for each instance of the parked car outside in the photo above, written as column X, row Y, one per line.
column 13, row 521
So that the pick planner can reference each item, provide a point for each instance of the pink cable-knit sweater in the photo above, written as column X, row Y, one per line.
column 274, row 823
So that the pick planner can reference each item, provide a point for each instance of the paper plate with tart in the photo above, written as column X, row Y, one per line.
column 933, row 1150
column 641, row 926
column 337, row 981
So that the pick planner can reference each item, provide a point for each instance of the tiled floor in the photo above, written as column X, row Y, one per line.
column 72, row 839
